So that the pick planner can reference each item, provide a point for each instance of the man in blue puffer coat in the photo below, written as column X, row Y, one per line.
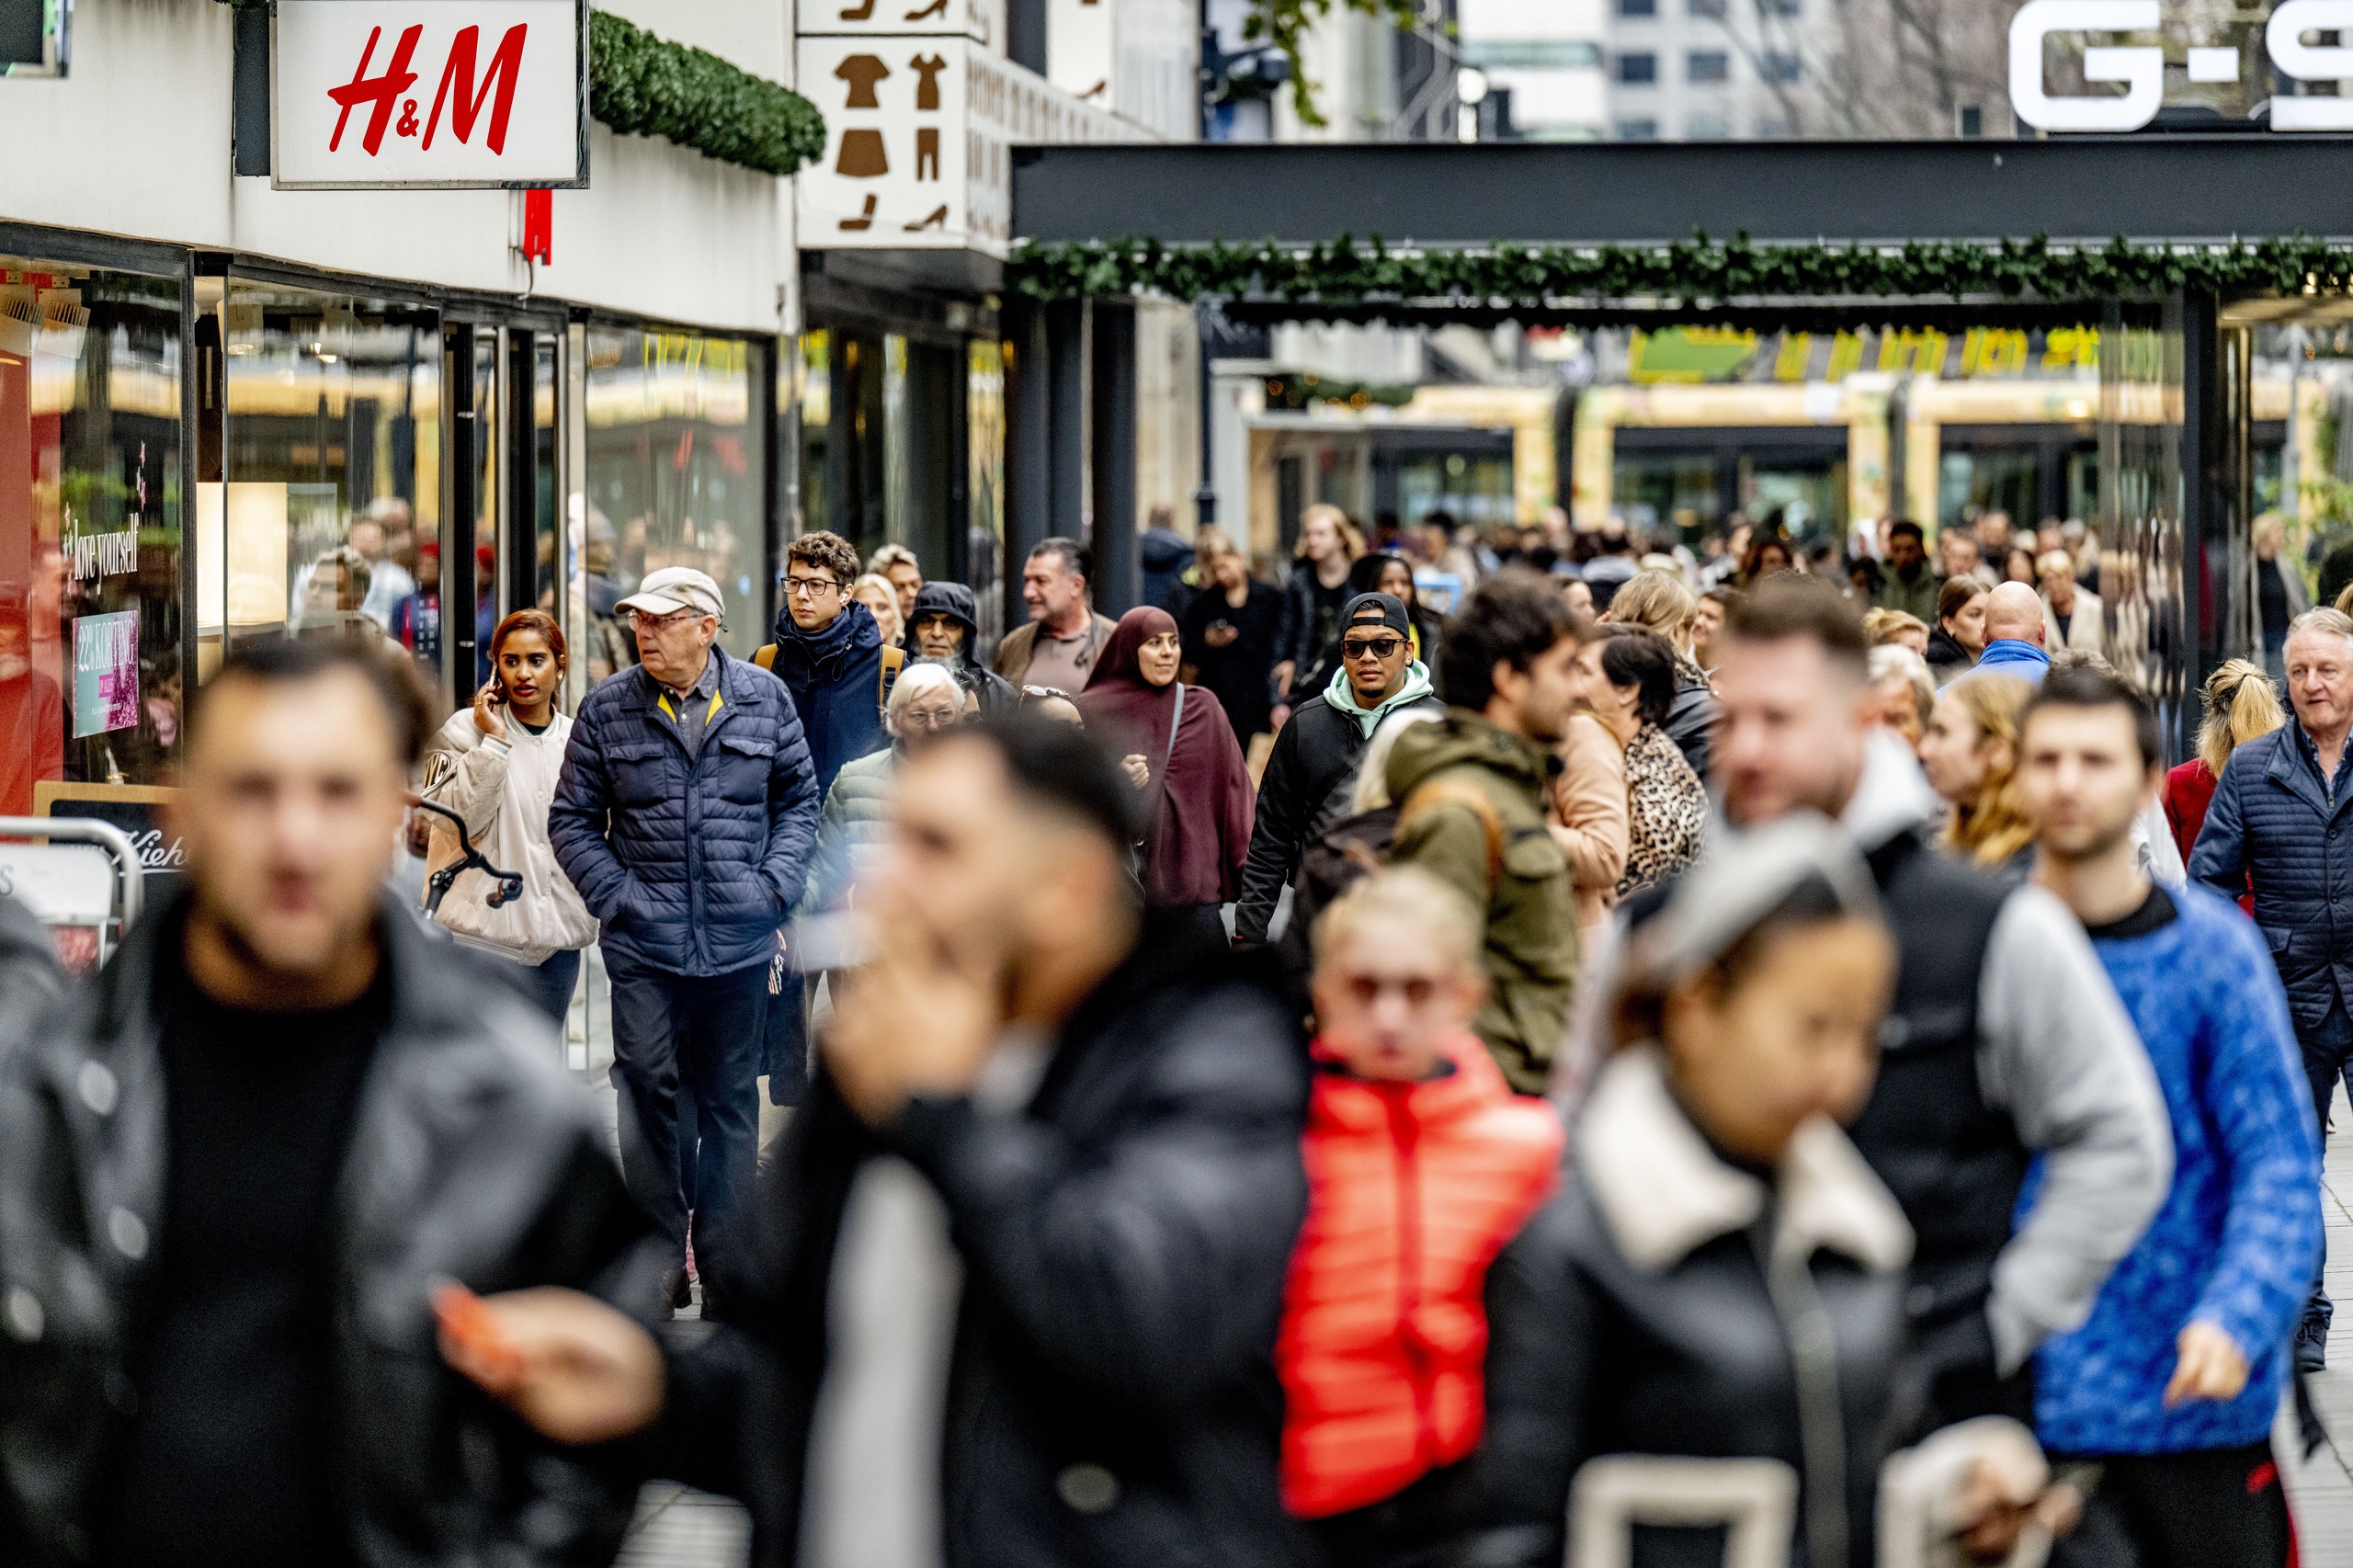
column 684, row 814
column 2280, row 817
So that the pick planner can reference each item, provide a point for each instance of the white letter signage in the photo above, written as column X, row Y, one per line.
column 2141, row 70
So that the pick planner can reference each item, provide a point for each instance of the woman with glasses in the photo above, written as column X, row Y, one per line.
column 1197, row 807
column 926, row 703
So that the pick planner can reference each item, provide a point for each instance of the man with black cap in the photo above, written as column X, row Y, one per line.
column 944, row 626
column 1309, row 774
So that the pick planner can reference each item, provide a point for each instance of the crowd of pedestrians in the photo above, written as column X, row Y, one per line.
column 1658, row 1053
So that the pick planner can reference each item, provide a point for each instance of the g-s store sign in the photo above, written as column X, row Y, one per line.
column 436, row 92
column 2141, row 67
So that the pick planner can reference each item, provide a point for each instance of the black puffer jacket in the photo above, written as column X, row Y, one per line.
column 1125, row 1244
column 473, row 1157
column 954, row 600
column 1665, row 1304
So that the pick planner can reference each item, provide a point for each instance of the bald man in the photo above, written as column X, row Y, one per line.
column 2014, row 634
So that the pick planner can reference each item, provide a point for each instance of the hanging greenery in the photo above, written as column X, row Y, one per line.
column 1344, row 273
column 644, row 85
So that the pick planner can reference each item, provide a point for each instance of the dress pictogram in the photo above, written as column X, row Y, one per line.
column 928, row 67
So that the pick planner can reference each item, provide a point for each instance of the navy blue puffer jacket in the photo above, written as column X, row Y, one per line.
column 689, row 866
column 2270, row 817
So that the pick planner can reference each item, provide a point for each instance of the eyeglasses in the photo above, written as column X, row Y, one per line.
column 658, row 624
column 1379, row 647
column 810, row 588
column 930, row 718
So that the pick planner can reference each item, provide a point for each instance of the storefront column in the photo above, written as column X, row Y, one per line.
column 2218, row 556
column 1066, row 367
column 1029, row 443
column 1112, row 429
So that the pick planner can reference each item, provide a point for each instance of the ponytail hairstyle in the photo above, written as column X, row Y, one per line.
column 2240, row 705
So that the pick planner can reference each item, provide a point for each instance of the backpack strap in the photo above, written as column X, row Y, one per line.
column 1454, row 792
column 765, row 656
column 888, row 677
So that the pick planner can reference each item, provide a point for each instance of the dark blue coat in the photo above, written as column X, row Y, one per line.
column 691, row 866
column 836, row 678
column 2270, row 817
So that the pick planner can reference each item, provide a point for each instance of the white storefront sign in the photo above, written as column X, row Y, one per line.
column 919, row 135
column 2141, row 67
column 434, row 93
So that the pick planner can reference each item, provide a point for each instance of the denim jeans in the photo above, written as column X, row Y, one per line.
column 2328, row 1059
column 686, row 1066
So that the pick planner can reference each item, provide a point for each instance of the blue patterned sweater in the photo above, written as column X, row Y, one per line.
column 2239, row 1236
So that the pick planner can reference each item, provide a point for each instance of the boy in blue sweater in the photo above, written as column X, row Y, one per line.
column 2170, row 1387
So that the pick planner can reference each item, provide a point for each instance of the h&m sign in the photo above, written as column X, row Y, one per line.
column 433, row 92
column 2141, row 67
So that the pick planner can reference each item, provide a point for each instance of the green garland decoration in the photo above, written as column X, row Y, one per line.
column 1343, row 273
column 644, row 85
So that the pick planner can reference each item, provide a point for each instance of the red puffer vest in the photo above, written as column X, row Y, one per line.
column 1412, row 1188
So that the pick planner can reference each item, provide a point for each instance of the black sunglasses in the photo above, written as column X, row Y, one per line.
column 1379, row 647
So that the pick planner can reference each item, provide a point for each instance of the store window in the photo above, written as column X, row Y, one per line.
column 676, row 466
column 90, row 678
column 329, row 520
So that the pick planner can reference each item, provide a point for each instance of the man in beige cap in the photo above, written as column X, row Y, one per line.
column 684, row 815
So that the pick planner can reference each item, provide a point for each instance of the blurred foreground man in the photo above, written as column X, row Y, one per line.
column 1029, row 1242
column 233, row 1169
column 2006, row 1041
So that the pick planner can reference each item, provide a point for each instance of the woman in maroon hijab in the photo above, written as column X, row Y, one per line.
column 1198, row 800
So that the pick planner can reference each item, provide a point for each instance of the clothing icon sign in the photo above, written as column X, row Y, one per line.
column 863, row 155
column 927, row 67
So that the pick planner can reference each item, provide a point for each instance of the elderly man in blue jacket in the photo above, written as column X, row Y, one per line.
column 2279, row 818
column 684, row 815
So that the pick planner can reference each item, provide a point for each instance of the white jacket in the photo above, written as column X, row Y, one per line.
column 503, row 789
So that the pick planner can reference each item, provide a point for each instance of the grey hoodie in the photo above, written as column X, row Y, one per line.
column 2055, row 1050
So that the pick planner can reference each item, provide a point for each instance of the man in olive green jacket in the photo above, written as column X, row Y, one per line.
column 1471, row 792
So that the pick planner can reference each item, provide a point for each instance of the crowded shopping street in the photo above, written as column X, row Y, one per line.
column 1133, row 783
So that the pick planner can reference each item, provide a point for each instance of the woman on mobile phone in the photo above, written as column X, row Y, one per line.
column 507, row 749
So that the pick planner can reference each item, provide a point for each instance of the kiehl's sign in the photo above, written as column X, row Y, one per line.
column 436, row 93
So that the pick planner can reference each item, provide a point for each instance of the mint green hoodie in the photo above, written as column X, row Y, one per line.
column 1342, row 696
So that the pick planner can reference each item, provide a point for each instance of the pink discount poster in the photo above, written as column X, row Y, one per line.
column 106, row 672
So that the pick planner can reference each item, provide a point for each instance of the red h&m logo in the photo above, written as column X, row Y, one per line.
column 384, row 93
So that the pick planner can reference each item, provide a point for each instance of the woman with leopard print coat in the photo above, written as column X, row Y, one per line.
column 1629, row 687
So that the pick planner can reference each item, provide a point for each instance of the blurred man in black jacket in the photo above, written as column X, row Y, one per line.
column 1031, row 1233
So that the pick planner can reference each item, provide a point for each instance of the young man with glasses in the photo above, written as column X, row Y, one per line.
column 1310, row 772
column 829, row 654
column 684, row 815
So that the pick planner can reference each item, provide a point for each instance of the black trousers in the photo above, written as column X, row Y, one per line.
column 2212, row 1508
column 685, row 1065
